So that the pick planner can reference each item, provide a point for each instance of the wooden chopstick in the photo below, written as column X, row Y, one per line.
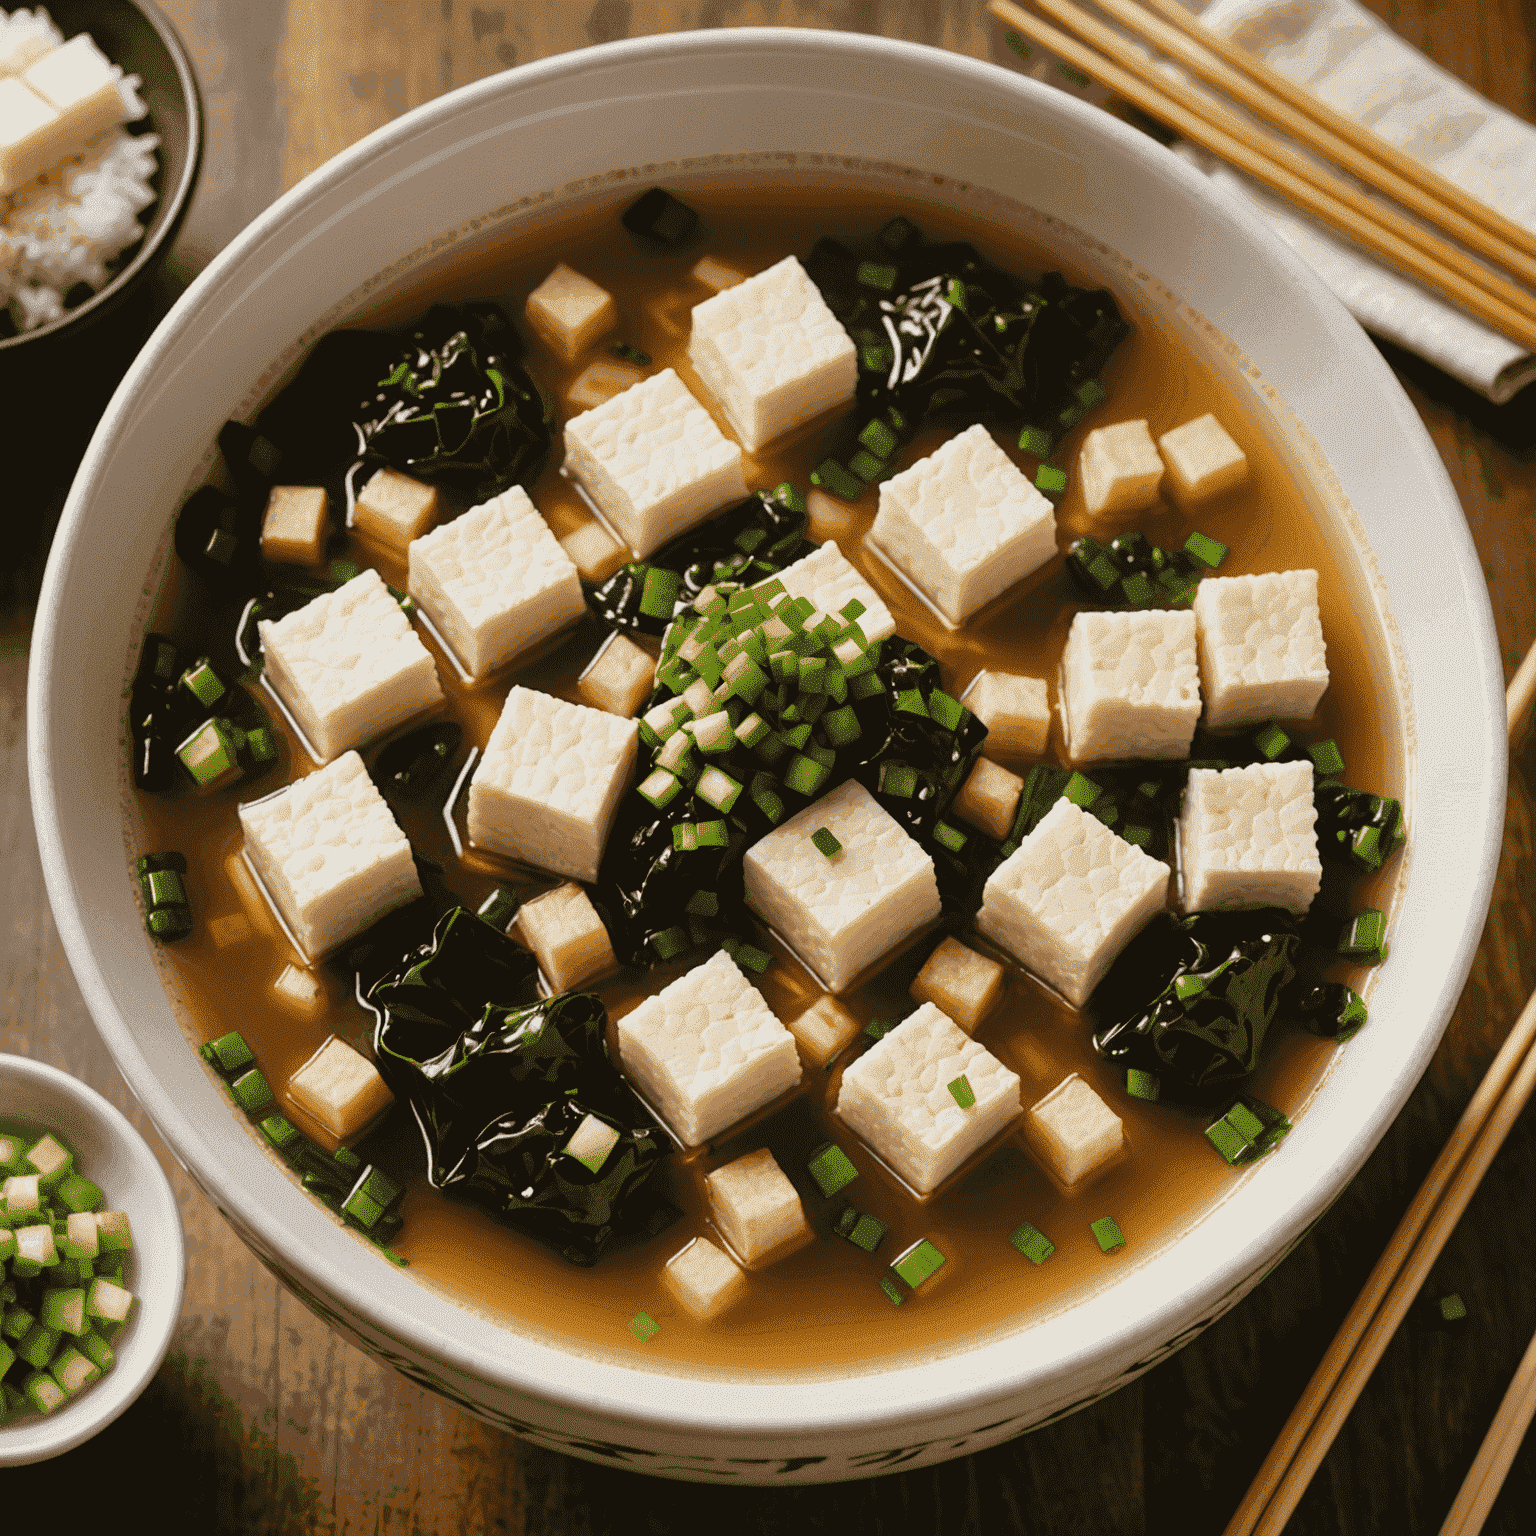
column 1448, row 271
column 1475, row 1501
column 1316, row 132
column 1520, row 693
column 1389, row 155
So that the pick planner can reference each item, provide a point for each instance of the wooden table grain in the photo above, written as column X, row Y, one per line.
column 262, row 1420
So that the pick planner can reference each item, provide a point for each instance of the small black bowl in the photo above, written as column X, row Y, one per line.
column 144, row 43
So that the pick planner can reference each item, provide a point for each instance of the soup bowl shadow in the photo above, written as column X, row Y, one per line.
column 486, row 162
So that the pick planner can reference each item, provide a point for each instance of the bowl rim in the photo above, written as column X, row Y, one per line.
column 175, row 200
column 745, row 1408
column 39, row 1439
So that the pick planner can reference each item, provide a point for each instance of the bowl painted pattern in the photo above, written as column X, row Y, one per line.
column 488, row 159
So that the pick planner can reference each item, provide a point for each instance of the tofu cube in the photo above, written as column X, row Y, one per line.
column 1202, row 461
column 25, row 38
column 1120, row 469
column 653, row 461
column 964, row 524
column 395, row 509
column 570, row 312
column 563, row 929
column 1015, row 710
column 1069, row 898
column 1247, row 838
column 842, row 914
column 330, row 854
column 33, row 135
column 715, row 274
column 1130, row 685
column 824, row 1031
column 755, row 1208
column 349, row 665
column 83, row 86
column 988, row 798
column 341, row 1089
column 599, row 382
column 546, row 790
column 704, row 1278
column 827, row 578
column 961, row 982
column 299, row 990
column 495, row 582
column 772, row 354
column 1261, row 647
column 593, row 552
column 593, row 1142
column 897, row 1097
column 708, row 1051
column 1072, row 1130
column 294, row 525
column 620, row 678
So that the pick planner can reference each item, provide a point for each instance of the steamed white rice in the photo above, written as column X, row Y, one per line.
column 64, row 228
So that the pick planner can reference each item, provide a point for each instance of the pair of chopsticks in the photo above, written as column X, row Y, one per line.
column 1403, row 241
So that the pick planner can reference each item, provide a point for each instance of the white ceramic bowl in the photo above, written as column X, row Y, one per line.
column 37, row 1097
column 609, row 121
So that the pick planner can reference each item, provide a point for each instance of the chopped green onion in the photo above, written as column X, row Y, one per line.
column 1365, row 937
column 826, row 843
column 1091, row 393
column 659, row 592
column 747, row 956
column 804, row 775
column 874, row 274
column 1188, row 986
column 831, row 1168
column 1134, row 832
column 1032, row 1243
column 718, row 789
column 880, row 440
column 1137, row 588
column 252, row 1092
column 1143, row 1085
column 703, row 904
column 892, row 1292
column 842, row 726
column 1228, row 1140
column 865, row 686
column 868, row 1232
column 644, row 1327
column 1271, row 741
column 949, row 837
column 1048, row 477
column 1082, row 791
column 1452, row 1308
column 1205, row 549
column 1107, row 1231
column 961, row 1091
column 878, row 1029
column 669, row 942
column 1327, row 760
column 1036, row 441
column 919, row 1263
column 660, row 787
column 829, row 475
column 1245, row 1122
column 898, row 779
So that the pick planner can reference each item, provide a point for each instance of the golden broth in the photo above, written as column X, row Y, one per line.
column 822, row 1307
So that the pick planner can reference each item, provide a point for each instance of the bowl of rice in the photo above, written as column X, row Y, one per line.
column 100, row 147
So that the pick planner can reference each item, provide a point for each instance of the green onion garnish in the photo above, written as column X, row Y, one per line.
column 874, row 274
column 1036, row 441
column 1091, row 393
column 229, row 1053
column 868, row 1233
column 1081, row 791
column 949, row 837
column 1452, row 1308
column 919, row 1263
column 878, row 1029
column 1050, row 478
column 1143, row 1085
column 1137, row 588
column 1327, row 760
column 892, row 1293
column 962, row 1092
column 1365, row 937
column 829, row 475
column 1271, row 741
column 252, row 1092
column 1205, row 549
column 898, row 779
column 669, row 942
column 826, row 843
column 644, row 1327
column 829, row 1165
column 1032, row 1243
column 1107, row 1231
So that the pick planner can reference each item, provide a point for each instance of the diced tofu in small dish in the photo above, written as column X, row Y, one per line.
column 620, row 677
column 704, row 1278
column 340, row 1089
column 902, row 1096
column 395, row 508
column 1072, row 1131
column 495, row 582
column 707, row 1051
column 1202, row 461
column 83, row 86
column 1261, row 647
column 1015, row 710
column 546, row 790
column 570, row 312
column 1120, row 469
column 330, row 854
column 964, row 984
column 1130, row 685
column 828, row 579
column 1247, row 838
column 653, row 461
column 1069, row 898
column 964, row 524
column 563, row 929
column 842, row 914
column 349, row 666
column 294, row 525
column 772, row 354
column 756, row 1209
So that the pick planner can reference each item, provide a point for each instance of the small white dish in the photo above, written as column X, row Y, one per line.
column 34, row 1096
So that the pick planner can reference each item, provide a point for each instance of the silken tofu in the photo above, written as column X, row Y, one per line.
column 704, row 1278
column 897, row 1097
column 495, row 581
column 1261, row 647
column 1072, row 1130
column 1130, row 685
column 828, row 579
column 707, row 1050
column 964, row 524
column 349, row 666
column 546, row 790
column 772, row 354
column 570, row 311
column 756, row 1209
column 1248, row 838
column 1069, row 898
column 330, row 853
column 842, row 914
column 653, row 461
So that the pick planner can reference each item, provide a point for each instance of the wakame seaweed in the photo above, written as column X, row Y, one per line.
column 499, row 1082
column 946, row 338
column 1192, row 998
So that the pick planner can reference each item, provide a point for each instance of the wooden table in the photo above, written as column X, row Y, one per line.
column 263, row 1420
